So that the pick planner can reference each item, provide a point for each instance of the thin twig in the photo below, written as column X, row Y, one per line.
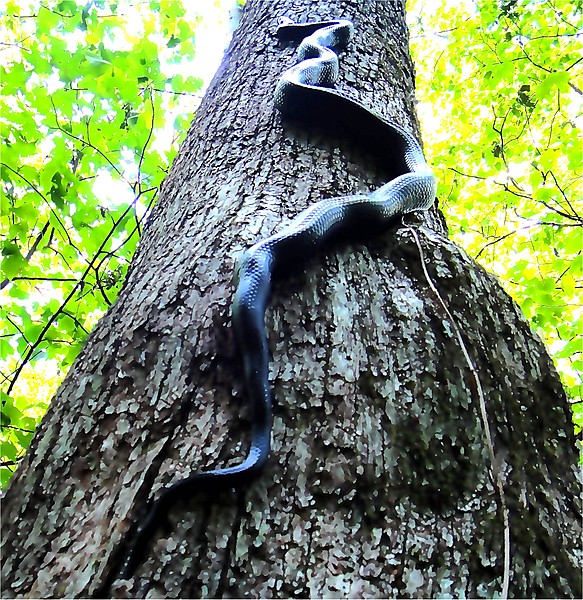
column 484, row 417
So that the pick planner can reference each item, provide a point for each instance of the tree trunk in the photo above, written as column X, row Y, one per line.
column 395, row 359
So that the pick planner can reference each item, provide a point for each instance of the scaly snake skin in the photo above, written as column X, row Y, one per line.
column 301, row 93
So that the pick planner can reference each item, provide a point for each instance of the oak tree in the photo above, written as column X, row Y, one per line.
column 422, row 443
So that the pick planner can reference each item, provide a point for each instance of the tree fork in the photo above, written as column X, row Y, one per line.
column 380, row 480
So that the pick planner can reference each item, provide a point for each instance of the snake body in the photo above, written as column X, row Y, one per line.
column 303, row 92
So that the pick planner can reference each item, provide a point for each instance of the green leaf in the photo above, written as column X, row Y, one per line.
column 173, row 42
column 67, row 7
column 5, row 474
column 10, row 413
column 13, row 261
column 58, row 190
column 558, row 80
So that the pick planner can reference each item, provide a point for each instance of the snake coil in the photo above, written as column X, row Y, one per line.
column 303, row 92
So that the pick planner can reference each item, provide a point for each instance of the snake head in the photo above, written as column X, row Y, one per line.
column 282, row 21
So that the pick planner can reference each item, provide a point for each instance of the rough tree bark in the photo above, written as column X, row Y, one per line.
column 380, row 481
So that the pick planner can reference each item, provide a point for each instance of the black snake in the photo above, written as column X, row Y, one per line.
column 303, row 92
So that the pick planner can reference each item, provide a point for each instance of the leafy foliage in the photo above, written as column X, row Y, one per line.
column 89, row 109
column 500, row 104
